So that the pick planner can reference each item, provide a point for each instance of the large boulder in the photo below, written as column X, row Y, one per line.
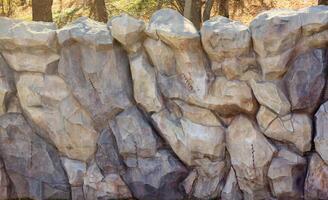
column 251, row 154
column 280, row 34
column 321, row 137
column 95, row 69
column 151, row 173
column 198, row 139
column 228, row 44
column 28, row 46
column 55, row 113
column 316, row 179
column 286, row 175
column 129, row 32
column 305, row 79
column 171, row 27
column 295, row 128
column 33, row 166
column 271, row 95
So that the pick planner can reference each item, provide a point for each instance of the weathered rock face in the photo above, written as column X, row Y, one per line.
column 321, row 137
column 33, row 166
column 286, row 175
column 292, row 128
column 316, row 179
column 228, row 44
column 306, row 79
column 250, row 154
column 160, row 110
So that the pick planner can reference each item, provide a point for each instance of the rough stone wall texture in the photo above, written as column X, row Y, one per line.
column 161, row 111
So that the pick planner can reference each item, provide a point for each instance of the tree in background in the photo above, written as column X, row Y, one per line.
column 323, row 2
column 41, row 10
column 198, row 11
column 100, row 11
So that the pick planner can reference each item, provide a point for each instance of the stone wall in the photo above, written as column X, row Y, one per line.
column 163, row 111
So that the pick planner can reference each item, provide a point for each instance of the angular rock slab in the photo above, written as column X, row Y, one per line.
column 294, row 128
column 33, row 166
column 128, row 31
column 95, row 69
column 228, row 43
column 278, row 33
column 134, row 136
column 75, row 171
column 231, row 189
column 151, row 173
column 157, row 177
column 146, row 92
column 316, row 179
column 286, row 175
column 48, row 103
column 28, row 46
column 98, row 186
column 250, row 154
column 172, row 28
column 305, row 79
column 271, row 95
column 321, row 137
column 189, row 140
column 199, row 144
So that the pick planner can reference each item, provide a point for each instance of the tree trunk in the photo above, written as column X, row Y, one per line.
column 322, row 2
column 192, row 11
column 224, row 8
column 41, row 10
column 22, row 2
column 207, row 10
column 100, row 11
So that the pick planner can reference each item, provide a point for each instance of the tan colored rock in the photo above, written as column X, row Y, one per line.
column 172, row 28
column 250, row 154
column 198, row 145
column 134, row 136
column 190, row 140
column 286, row 175
column 95, row 69
column 293, row 128
column 86, row 31
column 161, row 55
column 278, row 33
column 128, row 31
column 316, row 179
column 28, row 46
column 47, row 102
column 110, row 186
column 321, row 137
column 269, row 94
column 228, row 44
column 197, row 114
column 231, row 189
column 210, row 179
column 275, row 35
column 145, row 88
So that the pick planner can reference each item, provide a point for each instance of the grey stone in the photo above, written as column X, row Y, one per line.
column 33, row 166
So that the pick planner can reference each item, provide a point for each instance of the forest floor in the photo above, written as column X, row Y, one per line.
column 241, row 10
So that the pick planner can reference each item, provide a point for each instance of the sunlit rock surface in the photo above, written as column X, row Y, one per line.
column 160, row 110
